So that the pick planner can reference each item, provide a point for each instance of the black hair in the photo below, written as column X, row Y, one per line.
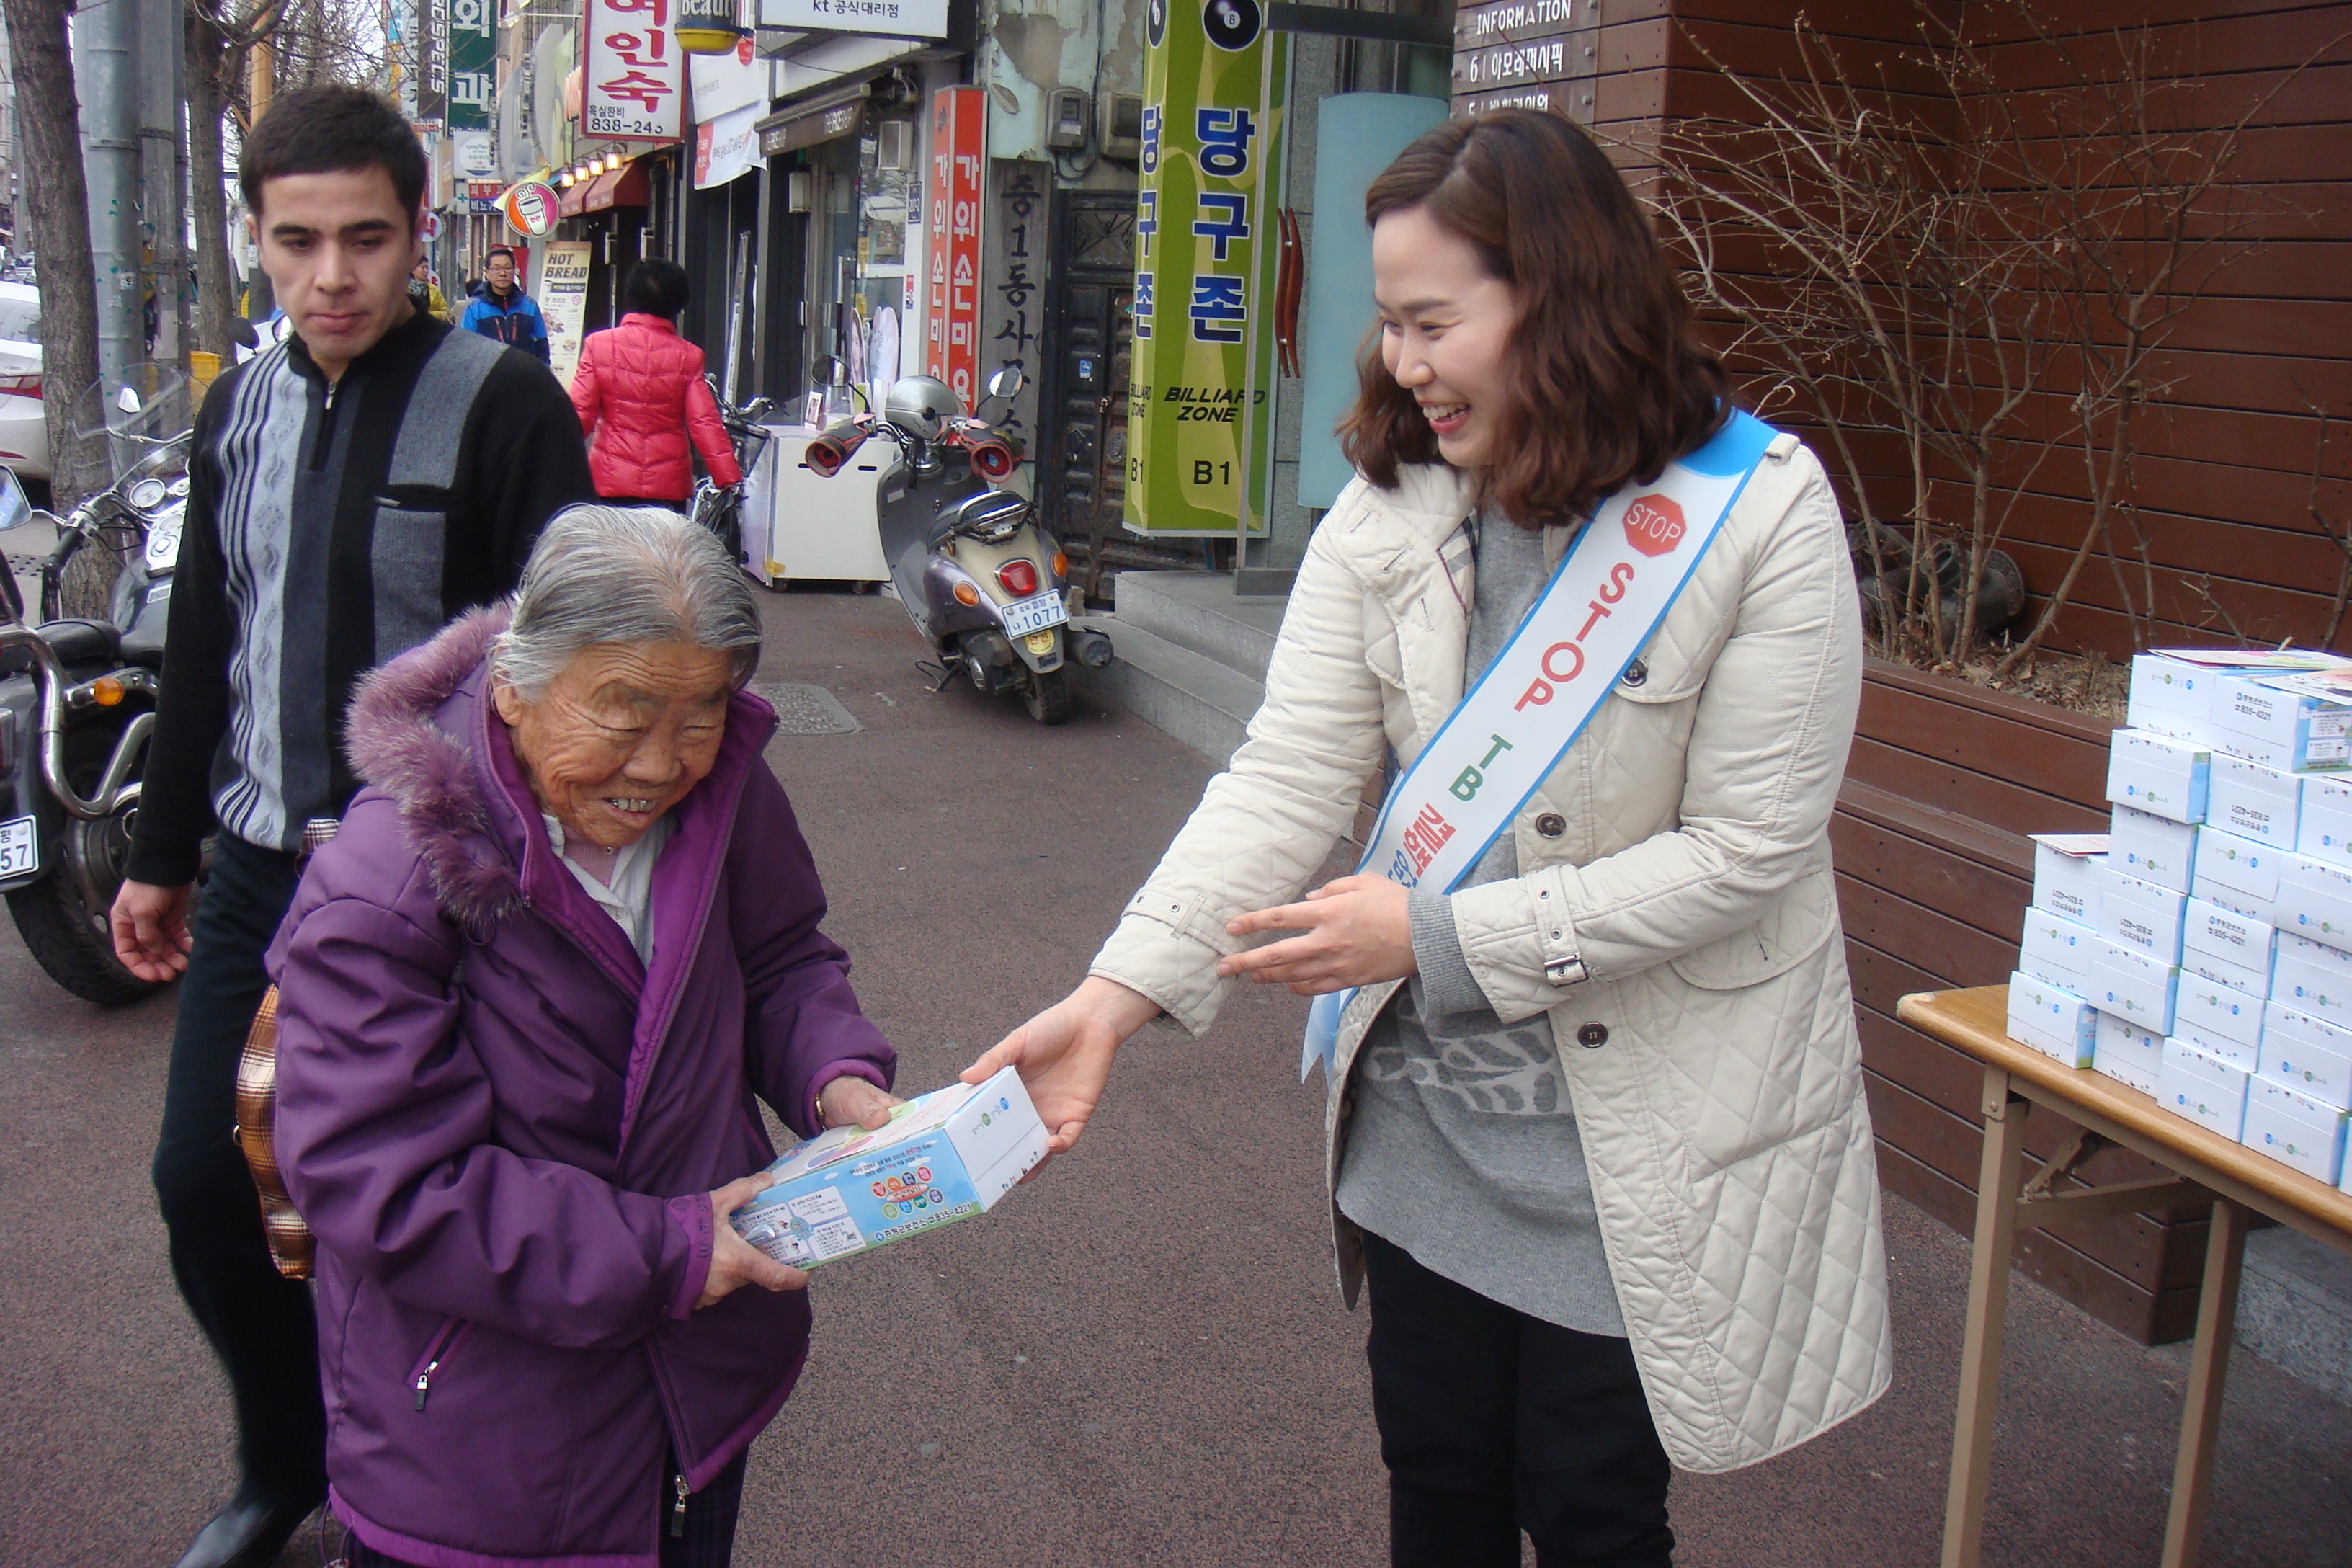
column 656, row 287
column 505, row 251
column 333, row 129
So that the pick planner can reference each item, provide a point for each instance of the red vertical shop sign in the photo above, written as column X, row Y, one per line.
column 959, row 155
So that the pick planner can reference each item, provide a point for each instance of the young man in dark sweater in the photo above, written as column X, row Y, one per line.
column 352, row 488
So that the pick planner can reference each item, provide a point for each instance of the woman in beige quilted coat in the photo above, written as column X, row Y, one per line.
column 1596, row 1128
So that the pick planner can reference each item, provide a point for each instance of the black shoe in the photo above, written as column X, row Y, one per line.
column 248, row 1531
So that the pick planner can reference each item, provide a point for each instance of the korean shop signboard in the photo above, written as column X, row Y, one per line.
column 473, row 55
column 959, row 163
column 1201, row 404
column 633, row 75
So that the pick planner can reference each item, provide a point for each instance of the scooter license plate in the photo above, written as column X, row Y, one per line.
column 1034, row 614
column 20, row 848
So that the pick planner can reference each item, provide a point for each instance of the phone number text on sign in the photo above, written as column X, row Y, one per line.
column 634, row 77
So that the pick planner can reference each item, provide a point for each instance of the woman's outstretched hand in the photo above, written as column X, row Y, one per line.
column 1357, row 931
column 735, row 1262
column 1065, row 1055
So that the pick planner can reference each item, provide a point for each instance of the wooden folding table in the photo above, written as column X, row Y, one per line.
column 2239, row 1179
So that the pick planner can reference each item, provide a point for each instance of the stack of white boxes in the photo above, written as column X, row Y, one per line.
column 2200, row 951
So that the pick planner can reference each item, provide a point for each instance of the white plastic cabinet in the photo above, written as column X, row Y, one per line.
column 799, row 527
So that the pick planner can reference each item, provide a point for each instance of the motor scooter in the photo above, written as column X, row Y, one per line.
column 982, row 581
column 78, row 695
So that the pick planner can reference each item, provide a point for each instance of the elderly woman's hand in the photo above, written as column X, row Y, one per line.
column 850, row 1099
column 735, row 1262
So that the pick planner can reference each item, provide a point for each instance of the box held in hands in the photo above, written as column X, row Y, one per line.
column 944, row 1156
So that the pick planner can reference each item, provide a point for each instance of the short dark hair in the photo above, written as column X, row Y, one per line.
column 1614, row 381
column 655, row 285
column 333, row 129
column 496, row 251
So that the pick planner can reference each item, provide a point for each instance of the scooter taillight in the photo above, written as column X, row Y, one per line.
column 1019, row 577
column 994, row 459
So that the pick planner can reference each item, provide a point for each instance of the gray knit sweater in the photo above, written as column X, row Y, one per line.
column 1464, row 1148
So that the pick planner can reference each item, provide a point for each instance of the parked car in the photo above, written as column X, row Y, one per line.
column 23, row 431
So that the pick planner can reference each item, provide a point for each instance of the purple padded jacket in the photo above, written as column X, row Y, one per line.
column 501, row 1128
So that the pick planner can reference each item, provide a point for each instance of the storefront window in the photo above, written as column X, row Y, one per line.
column 859, row 250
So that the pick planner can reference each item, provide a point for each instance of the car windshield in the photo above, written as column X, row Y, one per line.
column 20, row 321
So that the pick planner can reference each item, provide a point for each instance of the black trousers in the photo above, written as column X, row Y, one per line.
column 258, row 1321
column 705, row 1539
column 1492, row 1422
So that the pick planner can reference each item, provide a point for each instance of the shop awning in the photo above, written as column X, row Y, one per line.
column 819, row 117
column 626, row 186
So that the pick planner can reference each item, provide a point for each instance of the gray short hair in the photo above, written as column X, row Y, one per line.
column 624, row 575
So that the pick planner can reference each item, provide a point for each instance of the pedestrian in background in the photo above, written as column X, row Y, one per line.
column 424, row 294
column 351, row 488
column 503, row 311
column 642, row 398
column 1594, row 1126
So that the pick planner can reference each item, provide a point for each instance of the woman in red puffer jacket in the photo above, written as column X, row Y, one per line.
column 640, row 396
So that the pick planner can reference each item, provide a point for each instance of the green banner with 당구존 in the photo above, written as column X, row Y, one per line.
column 1200, row 404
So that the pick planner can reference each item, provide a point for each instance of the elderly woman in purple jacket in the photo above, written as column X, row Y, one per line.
column 528, row 997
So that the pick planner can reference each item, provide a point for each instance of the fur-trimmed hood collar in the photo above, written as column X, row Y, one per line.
column 398, row 744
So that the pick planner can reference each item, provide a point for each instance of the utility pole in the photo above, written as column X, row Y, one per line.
column 163, row 172
column 105, row 36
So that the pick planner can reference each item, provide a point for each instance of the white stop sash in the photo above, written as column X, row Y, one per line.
column 1610, row 590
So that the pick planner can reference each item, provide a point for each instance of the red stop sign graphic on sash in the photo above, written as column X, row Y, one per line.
column 1654, row 524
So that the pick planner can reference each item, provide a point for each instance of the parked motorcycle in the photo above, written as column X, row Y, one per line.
column 719, row 508
column 982, row 581
column 78, row 695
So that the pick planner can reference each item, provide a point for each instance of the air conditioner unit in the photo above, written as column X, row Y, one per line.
column 894, row 145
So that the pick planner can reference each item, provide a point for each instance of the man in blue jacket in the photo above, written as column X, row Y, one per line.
column 502, row 310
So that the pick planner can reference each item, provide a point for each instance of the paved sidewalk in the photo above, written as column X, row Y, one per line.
column 1138, row 1360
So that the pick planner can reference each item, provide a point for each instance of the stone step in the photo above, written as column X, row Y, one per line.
column 1199, row 611
column 1173, row 689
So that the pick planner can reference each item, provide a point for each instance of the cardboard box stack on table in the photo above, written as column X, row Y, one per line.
column 2200, row 950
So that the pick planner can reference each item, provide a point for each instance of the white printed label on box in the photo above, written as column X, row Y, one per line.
column 2131, row 1071
column 2066, row 868
column 2153, row 848
column 2315, row 899
column 2140, row 914
column 2134, row 983
column 2253, row 801
column 2121, row 1037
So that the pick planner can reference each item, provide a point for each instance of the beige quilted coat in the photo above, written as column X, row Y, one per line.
column 1723, row 1120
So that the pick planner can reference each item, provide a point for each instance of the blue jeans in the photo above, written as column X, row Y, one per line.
column 1492, row 1422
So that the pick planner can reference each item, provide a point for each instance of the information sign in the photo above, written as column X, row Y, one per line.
column 1526, row 54
column 1199, row 404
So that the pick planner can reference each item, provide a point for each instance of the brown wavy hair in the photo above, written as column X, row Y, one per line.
column 1613, row 381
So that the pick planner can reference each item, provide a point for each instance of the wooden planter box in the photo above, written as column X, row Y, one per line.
column 1934, row 874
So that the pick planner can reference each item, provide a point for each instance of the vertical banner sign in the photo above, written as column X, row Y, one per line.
column 432, row 64
column 473, row 62
column 958, row 165
column 1201, row 425
column 563, row 300
column 633, row 75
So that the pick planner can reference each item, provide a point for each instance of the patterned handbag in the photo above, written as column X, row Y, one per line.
column 290, row 1243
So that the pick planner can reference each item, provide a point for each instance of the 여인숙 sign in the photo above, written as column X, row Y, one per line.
column 633, row 74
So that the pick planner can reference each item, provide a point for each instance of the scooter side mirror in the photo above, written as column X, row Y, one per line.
column 15, row 510
column 1007, row 383
column 828, row 370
